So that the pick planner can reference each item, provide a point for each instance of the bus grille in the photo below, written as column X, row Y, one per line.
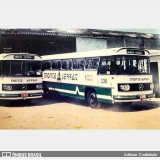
column 22, row 87
column 136, row 87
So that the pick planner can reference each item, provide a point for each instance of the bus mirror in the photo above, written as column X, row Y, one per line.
column 103, row 69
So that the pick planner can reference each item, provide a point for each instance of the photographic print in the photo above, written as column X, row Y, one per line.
column 79, row 78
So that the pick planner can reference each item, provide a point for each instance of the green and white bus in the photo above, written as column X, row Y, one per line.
column 20, row 76
column 111, row 75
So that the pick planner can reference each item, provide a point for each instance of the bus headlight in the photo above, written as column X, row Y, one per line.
column 151, row 86
column 124, row 87
column 7, row 87
column 39, row 86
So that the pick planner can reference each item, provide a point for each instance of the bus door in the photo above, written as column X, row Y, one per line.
column 154, row 72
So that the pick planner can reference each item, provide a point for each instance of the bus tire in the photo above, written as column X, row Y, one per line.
column 92, row 99
column 46, row 92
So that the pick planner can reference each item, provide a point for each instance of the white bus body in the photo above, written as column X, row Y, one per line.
column 20, row 76
column 100, row 81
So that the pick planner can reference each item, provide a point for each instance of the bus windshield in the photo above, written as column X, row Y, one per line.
column 21, row 68
column 125, row 64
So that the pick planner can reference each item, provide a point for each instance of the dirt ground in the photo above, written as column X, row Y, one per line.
column 68, row 113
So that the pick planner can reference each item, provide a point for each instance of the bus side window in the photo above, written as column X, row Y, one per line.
column 95, row 63
column 59, row 65
column 47, row 65
column 105, row 66
column 56, row 64
column 66, row 64
column 87, row 64
column 92, row 63
column 70, row 65
column 53, row 64
column 75, row 64
column 78, row 64
column 81, row 64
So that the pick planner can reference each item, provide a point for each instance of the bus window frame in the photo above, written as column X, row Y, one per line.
column 44, row 62
column 68, row 65
column 108, row 68
column 58, row 68
column 23, row 69
column 78, row 63
column 90, row 58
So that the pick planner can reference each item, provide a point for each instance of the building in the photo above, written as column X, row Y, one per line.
column 52, row 41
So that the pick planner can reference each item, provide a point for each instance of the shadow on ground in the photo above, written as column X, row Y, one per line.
column 33, row 103
column 134, row 107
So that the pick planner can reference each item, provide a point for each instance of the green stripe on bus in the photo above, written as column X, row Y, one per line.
column 81, row 87
column 82, row 97
column 62, row 86
column 72, row 95
column 68, row 87
column 104, row 91
column 99, row 90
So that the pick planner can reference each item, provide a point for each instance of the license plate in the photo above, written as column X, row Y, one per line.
column 24, row 95
column 143, row 96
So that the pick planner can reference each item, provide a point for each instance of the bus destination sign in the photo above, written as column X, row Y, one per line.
column 139, row 52
column 23, row 57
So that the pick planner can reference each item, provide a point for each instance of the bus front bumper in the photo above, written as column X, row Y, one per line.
column 21, row 96
column 133, row 98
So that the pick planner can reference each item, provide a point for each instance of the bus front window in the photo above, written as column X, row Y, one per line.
column 6, row 68
column 16, row 68
column 21, row 68
column 12, row 68
column 33, row 68
column 131, row 65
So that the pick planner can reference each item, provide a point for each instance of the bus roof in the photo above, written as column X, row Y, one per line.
column 154, row 52
column 96, row 53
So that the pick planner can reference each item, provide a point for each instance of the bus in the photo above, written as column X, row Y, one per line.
column 116, row 75
column 20, row 76
column 155, row 70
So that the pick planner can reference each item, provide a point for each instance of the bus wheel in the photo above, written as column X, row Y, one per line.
column 92, row 99
column 46, row 92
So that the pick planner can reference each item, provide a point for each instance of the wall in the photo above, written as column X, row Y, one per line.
column 86, row 44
